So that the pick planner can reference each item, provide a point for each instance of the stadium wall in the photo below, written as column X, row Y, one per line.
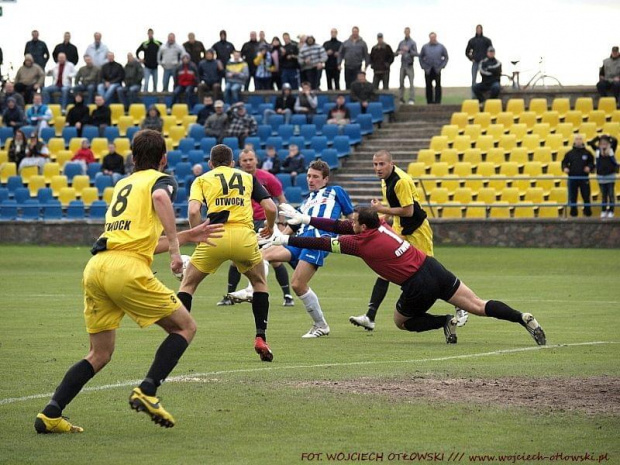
column 548, row 233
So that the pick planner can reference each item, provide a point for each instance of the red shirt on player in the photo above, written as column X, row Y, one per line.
column 272, row 185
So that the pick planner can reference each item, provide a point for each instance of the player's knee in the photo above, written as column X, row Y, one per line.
column 299, row 286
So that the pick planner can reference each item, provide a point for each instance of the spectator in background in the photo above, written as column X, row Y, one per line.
column 9, row 92
column 578, row 162
column 263, row 62
column 98, row 51
column 87, row 79
column 113, row 164
column 289, row 65
column 237, row 73
column 134, row 73
column 185, row 81
column 194, row 48
column 476, row 51
column 101, row 115
column 62, row 77
column 78, row 115
column 353, row 53
column 197, row 170
column 408, row 50
column 153, row 120
column 29, row 78
column 339, row 114
column 217, row 123
column 491, row 72
column 66, row 47
column 207, row 110
column 13, row 116
column 433, row 58
column 210, row 76
column 112, row 75
column 609, row 76
column 271, row 162
column 381, row 58
column 38, row 49
column 294, row 163
column 606, row 169
column 306, row 102
column 169, row 57
column 362, row 91
column 84, row 156
column 261, row 38
column 277, row 53
column 240, row 123
column 37, row 154
column 312, row 58
column 38, row 115
column 223, row 50
column 248, row 53
column 18, row 147
column 332, row 49
column 285, row 105
column 129, row 164
column 149, row 49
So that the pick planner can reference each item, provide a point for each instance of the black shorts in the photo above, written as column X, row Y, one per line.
column 431, row 282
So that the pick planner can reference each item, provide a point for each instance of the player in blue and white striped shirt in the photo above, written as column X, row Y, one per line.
column 324, row 202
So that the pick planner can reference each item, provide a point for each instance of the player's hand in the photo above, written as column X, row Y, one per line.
column 276, row 239
column 293, row 216
column 176, row 263
column 265, row 232
column 205, row 231
column 376, row 205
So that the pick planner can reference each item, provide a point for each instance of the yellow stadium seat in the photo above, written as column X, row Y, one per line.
column 484, row 144
column 439, row 195
column 75, row 144
column 27, row 172
column 117, row 110
column 534, row 195
column 55, row 145
column 79, row 183
column 558, row 195
column 473, row 156
column 585, row 105
column 562, row 151
column 507, row 142
column 463, row 195
column 538, row 106
column 169, row 122
column 611, row 128
column 427, row 157
column 123, row 146
column 138, row 112
column 55, row 109
column 4, row 156
column 462, row 169
column 473, row 131
column 524, row 210
column 500, row 210
column 36, row 183
column 519, row 155
column 565, row 130
column 497, row 156
column 496, row 131
column 483, row 120
column 124, row 123
column 487, row 195
column 107, row 195
column 474, row 182
column 176, row 133
column 99, row 146
column 461, row 143
column 528, row 118
column 597, row 117
column 89, row 195
column 471, row 107
column 188, row 120
column 561, row 105
column 542, row 130
column 493, row 106
column 574, row 117
column 510, row 195
column 63, row 157
column 542, row 155
column 58, row 182
column 588, row 130
column 439, row 169
column 497, row 182
column 416, row 169
column 554, row 142
column 66, row 195
column 505, row 118
column 509, row 168
column 438, row 143
column 451, row 183
column 607, row 105
column 521, row 183
column 548, row 211
column 555, row 168
column 516, row 106
column 519, row 130
column 169, row 144
column 49, row 170
column 459, row 119
column 546, row 183
column 533, row 168
column 551, row 117
column 59, row 123
column 449, row 156
column 485, row 169
column 91, row 107
column 531, row 142
column 450, row 131
column 452, row 210
column 476, row 210
column 179, row 111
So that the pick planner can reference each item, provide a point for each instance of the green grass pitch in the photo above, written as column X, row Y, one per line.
column 231, row 408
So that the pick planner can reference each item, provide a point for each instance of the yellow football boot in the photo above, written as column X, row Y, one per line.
column 45, row 425
column 150, row 405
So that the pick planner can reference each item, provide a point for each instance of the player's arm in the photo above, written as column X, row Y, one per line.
column 201, row 233
column 392, row 211
column 163, row 191
column 406, row 198
column 344, row 245
column 193, row 212
column 324, row 224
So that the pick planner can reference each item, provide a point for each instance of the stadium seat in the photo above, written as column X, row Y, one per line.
column 181, row 195
column 275, row 121
column 124, row 123
column 506, row 119
column 463, row 195
column 52, row 210
column 473, row 156
column 138, row 112
column 519, row 130
column 179, row 111
column 111, row 133
column 561, row 105
column 108, row 193
column 31, row 210
column 285, row 179
column 6, row 133
column 123, row 146
column 45, row 194
column 519, row 155
column 493, row 106
column 196, row 132
column 549, row 211
column 427, row 157
column 449, row 156
column 182, row 170
column 355, row 109
column 330, row 156
column 189, row 120
column 366, row 124
column 461, row 120
column 473, row 131
column 92, row 169
column 555, row 169
column 516, row 106
column 169, row 122
column 102, row 183
column 542, row 155
column 565, row 130
column 275, row 141
column 438, row 143
column 471, row 107
column 196, row 156
column 68, row 133
column 98, row 209
column 529, row 118
column 575, row 117
column 47, row 133
column 585, row 105
column 496, row 131
column 607, row 105
column 534, row 195
column 13, row 183
column 319, row 121
column 497, row 156
column 66, row 195
column 558, row 195
column 438, row 169
column 330, row 131
column 90, row 132
column 597, row 117
column 484, row 144
column 611, row 128
column 524, row 210
column 254, row 141
column 27, row 172
column 298, row 120
column 342, row 145
column 293, row 195
column 510, row 195
column 63, row 157
column 375, row 109
column 533, row 168
column 354, row 131
column 36, row 182
column 206, row 144
column 8, row 210
column 476, row 210
column 89, row 195
column 57, row 183
column 487, row 195
column 483, row 120
column 21, row 194
column 186, row 144
column 302, row 182
column 452, row 210
column 4, row 194
column 55, row 145
column 538, row 106
column 461, row 143
column 531, row 142
column 99, row 146
column 75, row 210
column 450, row 131
column 176, row 133
column 554, row 142
column 131, row 132
column 299, row 141
column 117, row 110
column 588, row 130
column 79, row 183
column 387, row 101
column 507, row 142
column 72, row 169
column 509, row 168
column 551, row 117
column 233, row 142
column 286, row 131
column 416, row 169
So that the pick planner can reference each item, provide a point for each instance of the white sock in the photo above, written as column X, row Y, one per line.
column 266, row 263
column 313, row 307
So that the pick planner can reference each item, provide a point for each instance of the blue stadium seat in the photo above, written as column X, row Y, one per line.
column 196, row 109
column 354, row 131
column 75, row 210
column 111, row 133
column 4, row 194
column 206, row 144
column 330, row 156
column 21, row 194
column 285, row 131
column 31, row 210
column 174, row 157
column 387, row 100
column 181, row 195
column 254, row 140
column 186, row 144
column 298, row 120
column 327, row 107
column 275, row 141
column 196, row 132
column 8, row 210
column 231, row 142
column 71, row 170
column 131, row 131
column 47, row 134
column 319, row 121
column 355, row 109
column 92, row 170
column 293, row 194
column 330, row 131
column 307, row 131
column 275, row 121
column 282, row 154
column 28, row 130
column 256, row 100
column 375, row 109
column 365, row 122
column 195, row 156
column 52, row 210
column 264, row 131
column 285, row 179
column 298, row 141
column 318, row 143
column 182, row 170
column 45, row 194
column 68, row 133
column 309, row 155
column 181, row 210
column 189, row 180
column 97, row 209
column 342, row 146
column 90, row 132
column 322, row 99
column 260, row 155
column 14, row 182
column 5, row 133
column 260, row 111
column 101, row 182
column 205, row 167
column 302, row 183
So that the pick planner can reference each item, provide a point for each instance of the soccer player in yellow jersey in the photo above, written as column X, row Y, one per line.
column 409, row 221
column 228, row 193
column 118, row 280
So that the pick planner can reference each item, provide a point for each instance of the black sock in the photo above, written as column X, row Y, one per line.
column 73, row 382
column 282, row 277
column 425, row 322
column 233, row 278
column 501, row 311
column 186, row 300
column 260, row 309
column 379, row 292
column 166, row 359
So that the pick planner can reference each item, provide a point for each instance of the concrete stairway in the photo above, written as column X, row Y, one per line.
column 411, row 131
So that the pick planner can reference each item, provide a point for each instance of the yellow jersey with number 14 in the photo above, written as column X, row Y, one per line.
column 131, row 222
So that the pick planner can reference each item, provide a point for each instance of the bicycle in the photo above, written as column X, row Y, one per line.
column 539, row 78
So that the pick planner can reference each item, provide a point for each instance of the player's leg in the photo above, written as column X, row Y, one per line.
column 260, row 310
column 233, row 281
column 301, row 278
column 191, row 279
column 379, row 291
column 282, row 276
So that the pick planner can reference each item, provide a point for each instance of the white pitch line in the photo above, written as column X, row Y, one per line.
column 185, row 378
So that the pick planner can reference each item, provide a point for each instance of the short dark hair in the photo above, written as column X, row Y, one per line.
column 221, row 155
column 321, row 166
column 306, row 83
column 367, row 216
column 148, row 149
column 247, row 152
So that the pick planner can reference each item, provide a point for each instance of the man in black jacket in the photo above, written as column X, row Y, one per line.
column 332, row 47
column 67, row 48
column 101, row 115
column 381, row 58
column 38, row 49
column 578, row 162
column 289, row 66
column 285, row 105
column 223, row 49
column 112, row 75
column 476, row 51
column 248, row 53
column 134, row 73
column 362, row 91
column 149, row 48
column 491, row 72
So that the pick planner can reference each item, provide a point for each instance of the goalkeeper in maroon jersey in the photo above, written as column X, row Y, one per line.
column 422, row 278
